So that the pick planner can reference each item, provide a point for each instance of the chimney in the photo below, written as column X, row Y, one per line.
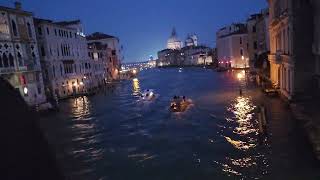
column 17, row 5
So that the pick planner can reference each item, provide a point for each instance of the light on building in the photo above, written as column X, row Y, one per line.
column 25, row 91
column 242, row 57
column 81, row 83
column 240, row 76
column 85, row 77
column 134, row 71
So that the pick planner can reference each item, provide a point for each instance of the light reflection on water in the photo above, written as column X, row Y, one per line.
column 113, row 135
column 243, row 123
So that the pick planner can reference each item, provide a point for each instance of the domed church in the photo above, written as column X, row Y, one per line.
column 192, row 40
column 173, row 41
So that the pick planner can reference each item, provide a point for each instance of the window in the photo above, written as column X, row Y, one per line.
column 255, row 45
column 5, row 60
column 39, row 89
column 53, row 71
column 14, row 28
column 61, row 70
column 1, row 65
column 254, row 29
column 48, row 32
column 39, row 31
column 11, row 61
column 55, row 32
column 19, row 59
column 43, row 53
column 70, row 35
column 29, row 30
column 241, row 52
column 240, row 40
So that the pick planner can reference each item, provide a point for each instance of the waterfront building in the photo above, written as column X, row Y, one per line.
column 115, row 58
column 19, row 57
column 191, row 55
column 170, row 57
column 232, row 46
column 64, row 58
column 100, row 55
column 253, row 38
column 291, row 59
column 174, row 42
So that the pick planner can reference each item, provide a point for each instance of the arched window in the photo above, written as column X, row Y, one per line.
column 61, row 70
column 19, row 59
column 5, row 60
column 14, row 28
column 29, row 30
column 11, row 60
column 54, row 71
column 1, row 65
column 43, row 53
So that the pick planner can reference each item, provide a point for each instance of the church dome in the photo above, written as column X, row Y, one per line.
column 173, row 41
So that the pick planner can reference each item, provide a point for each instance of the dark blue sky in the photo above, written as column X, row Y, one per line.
column 144, row 26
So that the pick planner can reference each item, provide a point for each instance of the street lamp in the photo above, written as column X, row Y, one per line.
column 25, row 91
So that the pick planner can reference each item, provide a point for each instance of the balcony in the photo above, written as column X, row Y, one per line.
column 29, row 67
column 7, row 70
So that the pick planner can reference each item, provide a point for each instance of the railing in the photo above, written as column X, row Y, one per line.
column 7, row 70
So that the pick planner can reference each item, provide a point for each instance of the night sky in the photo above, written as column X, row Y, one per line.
column 144, row 26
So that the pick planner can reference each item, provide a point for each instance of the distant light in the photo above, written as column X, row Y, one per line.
column 25, row 90
column 242, row 57
column 81, row 83
column 85, row 77
column 134, row 71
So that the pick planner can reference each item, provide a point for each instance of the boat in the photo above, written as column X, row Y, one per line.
column 148, row 95
column 180, row 105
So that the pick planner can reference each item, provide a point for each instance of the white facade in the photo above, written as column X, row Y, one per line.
column 19, row 59
column 173, row 41
column 64, row 56
column 232, row 46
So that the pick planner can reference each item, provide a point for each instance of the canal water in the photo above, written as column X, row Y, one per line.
column 115, row 135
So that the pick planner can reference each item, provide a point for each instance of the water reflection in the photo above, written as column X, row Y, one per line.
column 243, row 134
column 81, row 107
column 136, row 86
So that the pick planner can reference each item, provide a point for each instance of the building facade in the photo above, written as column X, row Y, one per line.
column 19, row 57
column 232, row 46
column 64, row 58
column 99, row 56
column 173, row 41
column 253, row 38
column 115, row 56
column 291, row 60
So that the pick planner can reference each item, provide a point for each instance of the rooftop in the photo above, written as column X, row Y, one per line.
column 98, row 36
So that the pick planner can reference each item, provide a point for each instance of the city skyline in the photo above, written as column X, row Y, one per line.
column 156, row 19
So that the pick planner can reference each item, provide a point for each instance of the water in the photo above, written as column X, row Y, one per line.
column 115, row 135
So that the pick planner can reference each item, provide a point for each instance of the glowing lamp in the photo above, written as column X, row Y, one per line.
column 25, row 91
column 240, row 76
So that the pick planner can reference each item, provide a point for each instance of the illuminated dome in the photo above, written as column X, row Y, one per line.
column 173, row 41
column 192, row 40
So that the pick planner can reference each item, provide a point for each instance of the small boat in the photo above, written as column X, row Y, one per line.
column 148, row 95
column 180, row 105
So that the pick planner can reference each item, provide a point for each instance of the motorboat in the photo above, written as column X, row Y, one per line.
column 148, row 95
column 180, row 104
